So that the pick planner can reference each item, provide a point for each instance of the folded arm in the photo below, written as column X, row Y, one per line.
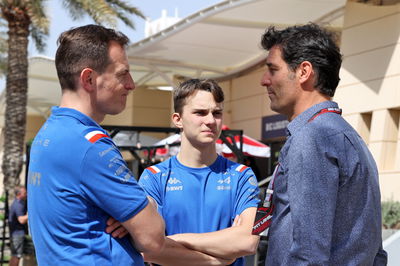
column 175, row 254
column 231, row 243
column 147, row 229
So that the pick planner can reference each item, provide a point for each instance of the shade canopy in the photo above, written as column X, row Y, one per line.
column 222, row 40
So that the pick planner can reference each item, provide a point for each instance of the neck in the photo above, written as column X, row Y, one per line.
column 307, row 100
column 73, row 100
column 196, row 157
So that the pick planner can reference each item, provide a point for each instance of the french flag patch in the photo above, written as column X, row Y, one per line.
column 241, row 168
column 95, row 136
column 153, row 169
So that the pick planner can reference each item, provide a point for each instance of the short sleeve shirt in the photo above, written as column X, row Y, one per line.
column 199, row 200
column 77, row 180
column 17, row 208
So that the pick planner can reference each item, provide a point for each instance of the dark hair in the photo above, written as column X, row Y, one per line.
column 311, row 43
column 189, row 87
column 82, row 47
column 18, row 190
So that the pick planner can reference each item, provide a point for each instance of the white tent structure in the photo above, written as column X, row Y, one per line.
column 222, row 40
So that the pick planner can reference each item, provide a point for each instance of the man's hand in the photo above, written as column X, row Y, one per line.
column 115, row 228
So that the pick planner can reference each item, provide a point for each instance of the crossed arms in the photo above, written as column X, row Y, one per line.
column 214, row 248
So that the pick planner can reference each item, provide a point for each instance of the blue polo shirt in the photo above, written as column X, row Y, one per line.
column 200, row 200
column 77, row 180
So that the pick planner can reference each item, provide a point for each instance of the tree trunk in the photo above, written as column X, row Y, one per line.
column 16, row 97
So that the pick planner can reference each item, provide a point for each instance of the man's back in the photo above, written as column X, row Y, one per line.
column 75, row 170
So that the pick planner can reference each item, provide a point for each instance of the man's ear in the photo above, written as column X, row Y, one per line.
column 177, row 120
column 306, row 72
column 87, row 79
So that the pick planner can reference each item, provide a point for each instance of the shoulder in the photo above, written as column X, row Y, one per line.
column 160, row 167
column 321, row 130
column 237, row 168
column 156, row 170
column 96, row 140
column 93, row 134
column 233, row 166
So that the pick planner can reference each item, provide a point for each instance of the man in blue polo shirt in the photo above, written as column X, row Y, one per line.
column 77, row 177
column 208, row 202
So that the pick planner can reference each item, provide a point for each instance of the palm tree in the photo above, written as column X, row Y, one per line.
column 27, row 18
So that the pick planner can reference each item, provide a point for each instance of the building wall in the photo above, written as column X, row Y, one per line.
column 369, row 91
column 33, row 124
column 144, row 107
column 247, row 103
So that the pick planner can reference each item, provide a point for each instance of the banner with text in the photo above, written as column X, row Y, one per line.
column 274, row 126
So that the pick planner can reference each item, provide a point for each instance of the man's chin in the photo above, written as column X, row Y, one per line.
column 206, row 141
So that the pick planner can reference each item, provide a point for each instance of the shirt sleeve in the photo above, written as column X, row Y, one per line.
column 247, row 192
column 20, row 209
column 312, row 184
column 151, row 185
column 107, row 182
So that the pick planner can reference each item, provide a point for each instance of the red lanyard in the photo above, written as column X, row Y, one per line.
column 324, row 111
column 265, row 211
column 270, row 189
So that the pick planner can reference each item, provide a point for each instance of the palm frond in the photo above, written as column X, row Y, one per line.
column 3, row 47
column 105, row 12
column 39, row 23
column 74, row 8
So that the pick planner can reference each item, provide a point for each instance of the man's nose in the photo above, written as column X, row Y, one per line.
column 210, row 119
column 130, row 84
column 265, row 80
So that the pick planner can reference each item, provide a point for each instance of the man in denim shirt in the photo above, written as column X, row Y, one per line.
column 326, row 190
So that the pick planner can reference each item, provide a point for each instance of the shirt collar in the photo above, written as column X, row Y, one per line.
column 84, row 119
column 303, row 118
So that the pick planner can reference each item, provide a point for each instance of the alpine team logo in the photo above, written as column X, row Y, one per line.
column 224, row 184
column 226, row 180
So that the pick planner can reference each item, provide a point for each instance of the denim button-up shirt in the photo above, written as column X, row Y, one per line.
column 326, row 196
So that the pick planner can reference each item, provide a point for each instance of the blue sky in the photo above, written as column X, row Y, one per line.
column 61, row 21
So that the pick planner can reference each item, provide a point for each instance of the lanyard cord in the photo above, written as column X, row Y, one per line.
column 264, row 214
column 270, row 189
column 324, row 111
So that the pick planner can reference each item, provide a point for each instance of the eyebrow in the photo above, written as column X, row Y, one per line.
column 123, row 71
column 268, row 64
column 206, row 109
